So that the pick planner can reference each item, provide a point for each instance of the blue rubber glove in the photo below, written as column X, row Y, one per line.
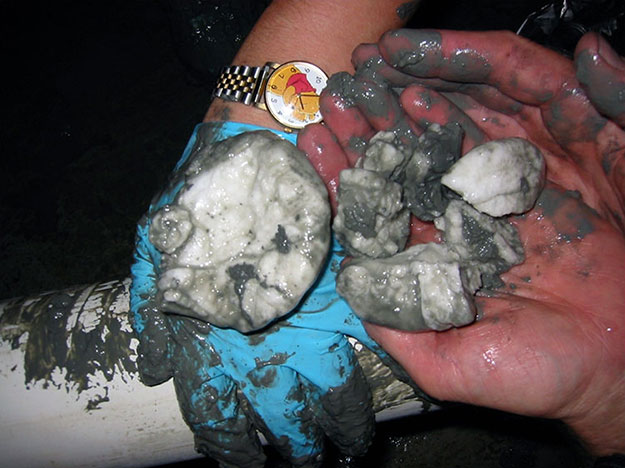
column 294, row 381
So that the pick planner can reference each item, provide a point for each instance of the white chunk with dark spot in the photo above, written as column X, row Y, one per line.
column 371, row 219
column 424, row 287
column 499, row 177
column 384, row 154
column 173, row 223
column 436, row 149
column 490, row 245
column 247, row 234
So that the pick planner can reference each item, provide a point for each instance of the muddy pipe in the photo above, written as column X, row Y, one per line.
column 71, row 396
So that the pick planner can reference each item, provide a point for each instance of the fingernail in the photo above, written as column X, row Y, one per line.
column 364, row 52
column 609, row 55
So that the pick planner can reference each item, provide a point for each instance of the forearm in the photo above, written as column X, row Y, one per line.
column 323, row 32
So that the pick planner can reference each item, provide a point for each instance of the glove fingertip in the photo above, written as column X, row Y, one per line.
column 347, row 415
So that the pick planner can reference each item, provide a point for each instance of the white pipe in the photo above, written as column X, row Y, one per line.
column 71, row 396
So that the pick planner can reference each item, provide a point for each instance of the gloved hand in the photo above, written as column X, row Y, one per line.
column 295, row 380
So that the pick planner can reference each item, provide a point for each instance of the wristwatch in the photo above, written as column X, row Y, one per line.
column 289, row 91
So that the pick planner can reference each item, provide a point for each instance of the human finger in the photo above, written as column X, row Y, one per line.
column 346, row 122
column 368, row 56
column 428, row 106
column 326, row 155
column 517, row 67
column 601, row 72
column 420, row 104
column 377, row 102
column 542, row 79
column 487, row 96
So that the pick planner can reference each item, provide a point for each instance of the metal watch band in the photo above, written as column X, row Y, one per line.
column 240, row 83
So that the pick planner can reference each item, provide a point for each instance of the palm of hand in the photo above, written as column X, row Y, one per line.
column 551, row 342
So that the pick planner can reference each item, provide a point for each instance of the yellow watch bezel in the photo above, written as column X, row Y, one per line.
column 292, row 107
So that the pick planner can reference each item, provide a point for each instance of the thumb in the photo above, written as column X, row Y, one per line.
column 601, row 72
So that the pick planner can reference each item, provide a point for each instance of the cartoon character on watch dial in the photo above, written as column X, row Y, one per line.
column 298, row 86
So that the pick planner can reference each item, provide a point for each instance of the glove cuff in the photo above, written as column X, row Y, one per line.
column 229, row 129
column 212, row 132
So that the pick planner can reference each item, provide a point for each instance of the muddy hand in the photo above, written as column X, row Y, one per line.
column 552, row 109
column 357, row 107
column 551, row 341
column 601, row 73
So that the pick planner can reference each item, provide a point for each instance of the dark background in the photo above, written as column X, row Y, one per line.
column 99, row 99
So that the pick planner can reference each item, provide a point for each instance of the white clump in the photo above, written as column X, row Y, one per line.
column 371, row 219
column 479, row 237
column 260, row 233
column 384, row 154
column 500, row 177
column 425, row 287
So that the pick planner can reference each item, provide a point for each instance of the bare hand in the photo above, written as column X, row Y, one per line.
column 551, row 342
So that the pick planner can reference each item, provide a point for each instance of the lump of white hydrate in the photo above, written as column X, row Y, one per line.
column 371, row 219
column 171, row 227
column 247, row 234
column 384, row 154
column 432, row 286
column 490, row 245
column 436, row 150
column 425, row 287
column 499, row 177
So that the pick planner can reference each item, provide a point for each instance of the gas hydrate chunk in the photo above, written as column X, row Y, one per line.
column 384, row 154
column 371, row 219
column 500, row 177
column 424, row 287
column 489, row 245
column 246, row 235
column 436, row 150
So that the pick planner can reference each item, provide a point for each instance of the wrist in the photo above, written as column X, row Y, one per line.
column 221, row 110
column 322, row 32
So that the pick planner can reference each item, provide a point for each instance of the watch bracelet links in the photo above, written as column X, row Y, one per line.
column 240, row 83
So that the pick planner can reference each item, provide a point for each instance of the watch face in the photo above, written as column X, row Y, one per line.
column 292, row 94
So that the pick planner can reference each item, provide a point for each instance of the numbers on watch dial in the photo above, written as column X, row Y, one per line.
column 292, row 94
